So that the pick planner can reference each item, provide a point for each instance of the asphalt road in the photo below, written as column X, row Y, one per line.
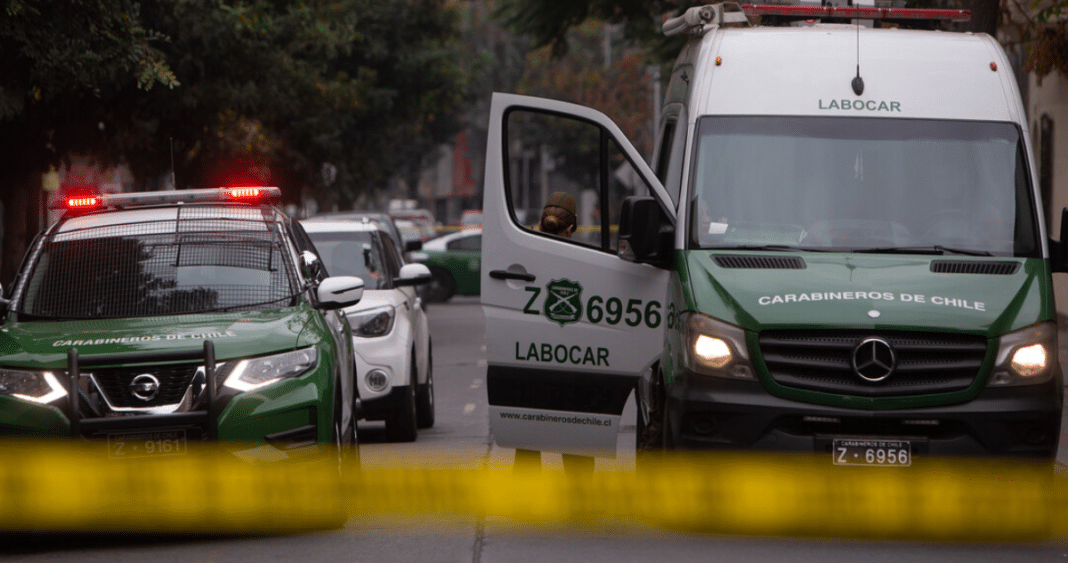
column 460, row 438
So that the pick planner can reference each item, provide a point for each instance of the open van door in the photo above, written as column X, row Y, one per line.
column 570, row 325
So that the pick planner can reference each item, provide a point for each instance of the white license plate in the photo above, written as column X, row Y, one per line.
column 872, row 452
column 147, row 444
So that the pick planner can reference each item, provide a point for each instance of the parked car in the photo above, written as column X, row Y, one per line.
column 455, row 262
column 179, row 317
column 384, row 220
column 471, row 219
column 416, row 230
column 390, row 333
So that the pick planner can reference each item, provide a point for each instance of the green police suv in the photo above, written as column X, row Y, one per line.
column 155, row 320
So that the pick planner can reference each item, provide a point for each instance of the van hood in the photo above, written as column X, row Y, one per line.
column 867, row 291
column 234, row 334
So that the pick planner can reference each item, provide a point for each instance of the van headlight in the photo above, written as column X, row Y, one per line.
column 252, row 373
column 37, row 386
column 1026, row 356
column 713, row 347
column 374, row 322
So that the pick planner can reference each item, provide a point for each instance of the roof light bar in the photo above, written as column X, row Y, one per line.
column 251, row 195
column 855, row 12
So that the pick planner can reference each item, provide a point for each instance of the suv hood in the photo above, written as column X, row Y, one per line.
column 235, row 334
column 868, row 291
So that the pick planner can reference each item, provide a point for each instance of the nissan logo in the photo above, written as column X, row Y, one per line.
column 873, row 359
column 144, row 387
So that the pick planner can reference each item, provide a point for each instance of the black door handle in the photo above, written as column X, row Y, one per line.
column 506, row 275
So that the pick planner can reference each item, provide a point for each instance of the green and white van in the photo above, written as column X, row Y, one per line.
column 839, row 248
column 155, row 320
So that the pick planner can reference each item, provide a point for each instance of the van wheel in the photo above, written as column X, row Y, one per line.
column 401, row 427
column 442, row 286
column 425, row 396
column 649, row 436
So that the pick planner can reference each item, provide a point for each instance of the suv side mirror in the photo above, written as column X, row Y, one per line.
column 412, row 274
column 338, row 292
column 646, row 235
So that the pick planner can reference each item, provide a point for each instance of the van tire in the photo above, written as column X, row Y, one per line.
column 650, row 437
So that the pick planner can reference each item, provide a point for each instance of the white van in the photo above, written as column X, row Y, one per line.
column 839, row 249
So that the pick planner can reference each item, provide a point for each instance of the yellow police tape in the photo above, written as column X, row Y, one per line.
column 62, row 486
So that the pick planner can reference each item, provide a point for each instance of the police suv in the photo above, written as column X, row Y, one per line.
column 839, row 248
column 154, row 320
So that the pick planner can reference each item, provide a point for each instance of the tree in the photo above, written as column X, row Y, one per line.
column 253, row 90
column 1046, row 29
column 59, row 64
column 600, row 71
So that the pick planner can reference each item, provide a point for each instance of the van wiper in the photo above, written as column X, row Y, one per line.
column 932, row 249
column 777, row 247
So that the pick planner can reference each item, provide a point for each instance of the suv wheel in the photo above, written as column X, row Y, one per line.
column 401, row 427
column 425, row 396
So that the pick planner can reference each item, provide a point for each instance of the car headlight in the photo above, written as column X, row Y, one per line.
column 253, row 373
column 372, row 322
column 713, row 347
column 37, row 386
column 1026, row 356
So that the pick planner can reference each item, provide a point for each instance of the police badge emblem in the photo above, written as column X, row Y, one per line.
column 563, row 304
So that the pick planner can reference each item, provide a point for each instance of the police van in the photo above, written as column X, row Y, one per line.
column 839, row 248
column 152, row 321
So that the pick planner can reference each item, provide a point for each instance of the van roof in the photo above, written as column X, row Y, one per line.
column 808, row 71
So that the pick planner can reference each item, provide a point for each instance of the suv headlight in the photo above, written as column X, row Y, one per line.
column 253, row 373
column 372, row 322
column 713, row 347
column 37, row 386
column 1026, row 356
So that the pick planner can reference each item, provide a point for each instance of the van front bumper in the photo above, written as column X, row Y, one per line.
column 714, row 413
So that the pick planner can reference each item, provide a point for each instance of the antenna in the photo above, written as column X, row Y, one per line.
column 174, row 182
column 858, row 82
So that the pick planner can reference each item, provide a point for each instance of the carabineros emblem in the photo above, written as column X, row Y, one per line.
column 563, row 304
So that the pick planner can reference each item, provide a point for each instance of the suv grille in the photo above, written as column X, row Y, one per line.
column 823, row 361
column 114, row 383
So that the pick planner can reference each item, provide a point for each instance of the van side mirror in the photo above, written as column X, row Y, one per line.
column 646, row 235
column 1058, row 249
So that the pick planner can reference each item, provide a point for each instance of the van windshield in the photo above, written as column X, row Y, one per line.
column 858, row 184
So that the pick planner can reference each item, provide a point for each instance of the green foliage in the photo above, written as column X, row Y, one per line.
column 51, row 51
column 547, row 22
column 227, row 90
column 1048, row 32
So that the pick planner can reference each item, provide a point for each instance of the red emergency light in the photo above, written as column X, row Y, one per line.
column 855, row 12
column 82, row 202
column 246, row 193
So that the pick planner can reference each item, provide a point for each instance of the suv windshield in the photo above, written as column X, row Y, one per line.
column 857, row 184
column 163, row 261
column 352, row 253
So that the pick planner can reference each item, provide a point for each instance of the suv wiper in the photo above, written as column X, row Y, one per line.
column 932, row 249
column 779, row 247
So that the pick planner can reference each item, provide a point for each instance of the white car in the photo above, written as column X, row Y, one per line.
column 390, row 332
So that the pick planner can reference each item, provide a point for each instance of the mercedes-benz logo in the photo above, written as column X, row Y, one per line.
column 144, row 387
column 873, row 359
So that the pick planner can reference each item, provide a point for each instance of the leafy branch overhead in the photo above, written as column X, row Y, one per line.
column 1048, row 32
column 209, row 91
